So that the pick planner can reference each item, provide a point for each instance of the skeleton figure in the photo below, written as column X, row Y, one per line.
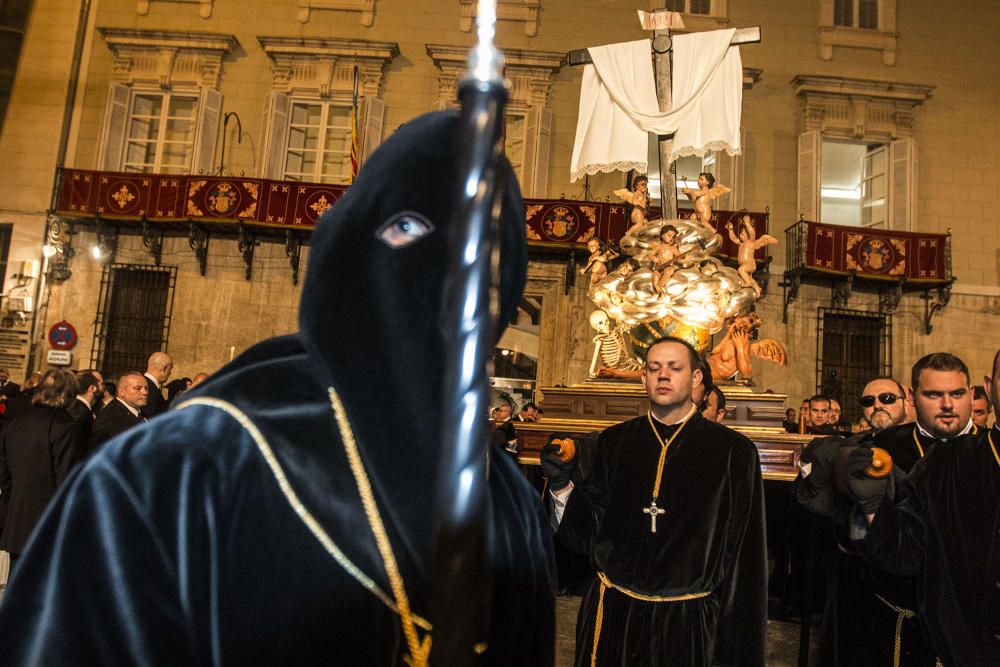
column 611, row 351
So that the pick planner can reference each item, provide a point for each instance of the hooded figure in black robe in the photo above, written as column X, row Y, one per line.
column 695, row 591
column 232, row 529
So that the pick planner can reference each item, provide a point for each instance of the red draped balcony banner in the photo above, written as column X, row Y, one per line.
column 566, row 223
column 876, row 253
column 159, row 197
column 560, row 223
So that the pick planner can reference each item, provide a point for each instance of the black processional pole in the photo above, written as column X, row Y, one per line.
column 462, row 587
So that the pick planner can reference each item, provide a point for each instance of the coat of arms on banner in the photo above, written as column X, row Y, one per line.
column 224, row 198
column 559, row 223
column 876, row 255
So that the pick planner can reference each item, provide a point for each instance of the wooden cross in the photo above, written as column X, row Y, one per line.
column 662, row 46
column 653, row 511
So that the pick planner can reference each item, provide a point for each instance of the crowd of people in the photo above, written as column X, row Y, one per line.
column 59, row 418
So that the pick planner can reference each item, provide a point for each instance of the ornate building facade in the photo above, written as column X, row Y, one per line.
column 854, row 113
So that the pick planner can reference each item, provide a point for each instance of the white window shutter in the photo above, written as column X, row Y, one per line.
column 902, row 200
column 529, row 152
column 540, row 185
column 209, row 117
column 274, row 142
column 810, row 162
column 374, row 118
column 115, row 124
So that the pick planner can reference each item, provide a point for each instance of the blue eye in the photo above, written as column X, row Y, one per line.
column 404, row 228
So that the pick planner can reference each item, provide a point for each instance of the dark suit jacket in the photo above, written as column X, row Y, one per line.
column 156, row 403
column 82, row 415
column 10, row 389
column 37, row 451
column 114, row 419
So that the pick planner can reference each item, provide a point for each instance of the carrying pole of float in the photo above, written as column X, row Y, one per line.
column 462, row 585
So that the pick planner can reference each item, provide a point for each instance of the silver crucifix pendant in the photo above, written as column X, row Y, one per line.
column 653, row 511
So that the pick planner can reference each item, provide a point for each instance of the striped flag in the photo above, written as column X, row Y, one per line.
column 355, row 140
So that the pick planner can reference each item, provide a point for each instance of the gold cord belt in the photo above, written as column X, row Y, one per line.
column 901, row 615
column 607, row 583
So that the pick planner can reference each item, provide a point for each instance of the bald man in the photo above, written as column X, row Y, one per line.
column 157, row 372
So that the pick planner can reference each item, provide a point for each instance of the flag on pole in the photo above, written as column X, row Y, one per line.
column 355, row 140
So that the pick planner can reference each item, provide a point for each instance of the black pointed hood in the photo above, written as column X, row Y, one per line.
column 371, row 313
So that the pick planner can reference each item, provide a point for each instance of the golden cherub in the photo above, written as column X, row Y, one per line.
column 748, row 244
column 703, row 196
column 639, row 199
column 735, row 351
column 664, row 257
column 597, row 263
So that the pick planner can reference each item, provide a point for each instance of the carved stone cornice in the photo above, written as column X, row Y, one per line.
column 521, row 11
column 529, row 73
column 325, row 67
column 167, row 58
column 859, row 108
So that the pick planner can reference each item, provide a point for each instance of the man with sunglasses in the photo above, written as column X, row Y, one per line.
column 941, row 526
column 883, row 403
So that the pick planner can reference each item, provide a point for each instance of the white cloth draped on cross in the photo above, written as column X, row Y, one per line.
column 618, row 104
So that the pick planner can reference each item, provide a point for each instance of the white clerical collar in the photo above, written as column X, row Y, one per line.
column 923, row 431
column 135, row 412
column 153, row 379
column 85, row 402
column 693, row 409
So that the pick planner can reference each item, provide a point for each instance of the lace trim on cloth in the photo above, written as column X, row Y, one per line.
column 710, row 147
column 607, row 168
column 641, row 167
column 293, row 500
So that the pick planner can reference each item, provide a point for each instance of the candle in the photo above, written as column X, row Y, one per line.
column 232, row 352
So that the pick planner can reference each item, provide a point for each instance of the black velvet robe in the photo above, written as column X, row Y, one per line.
column 711, row 539
column 859, row 625
column 943, row 529
column 175, row 544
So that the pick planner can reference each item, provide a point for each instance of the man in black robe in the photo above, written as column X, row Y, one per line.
column 233, row 529
column 941, row 527
column 870, row 615
column 678, row 540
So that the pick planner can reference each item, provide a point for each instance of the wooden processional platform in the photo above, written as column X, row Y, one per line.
column 594, row 406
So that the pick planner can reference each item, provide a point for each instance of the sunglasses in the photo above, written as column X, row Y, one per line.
column 885, row 399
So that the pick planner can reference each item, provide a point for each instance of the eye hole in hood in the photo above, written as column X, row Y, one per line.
column 404, row 228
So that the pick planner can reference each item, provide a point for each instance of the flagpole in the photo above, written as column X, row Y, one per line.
column 355, row 142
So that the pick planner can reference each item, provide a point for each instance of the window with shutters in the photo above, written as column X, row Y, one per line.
column 163, row 132
column 164, row 107
column 857, row 163
column 858, row 24
column 318, row 148
column 307, row 115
